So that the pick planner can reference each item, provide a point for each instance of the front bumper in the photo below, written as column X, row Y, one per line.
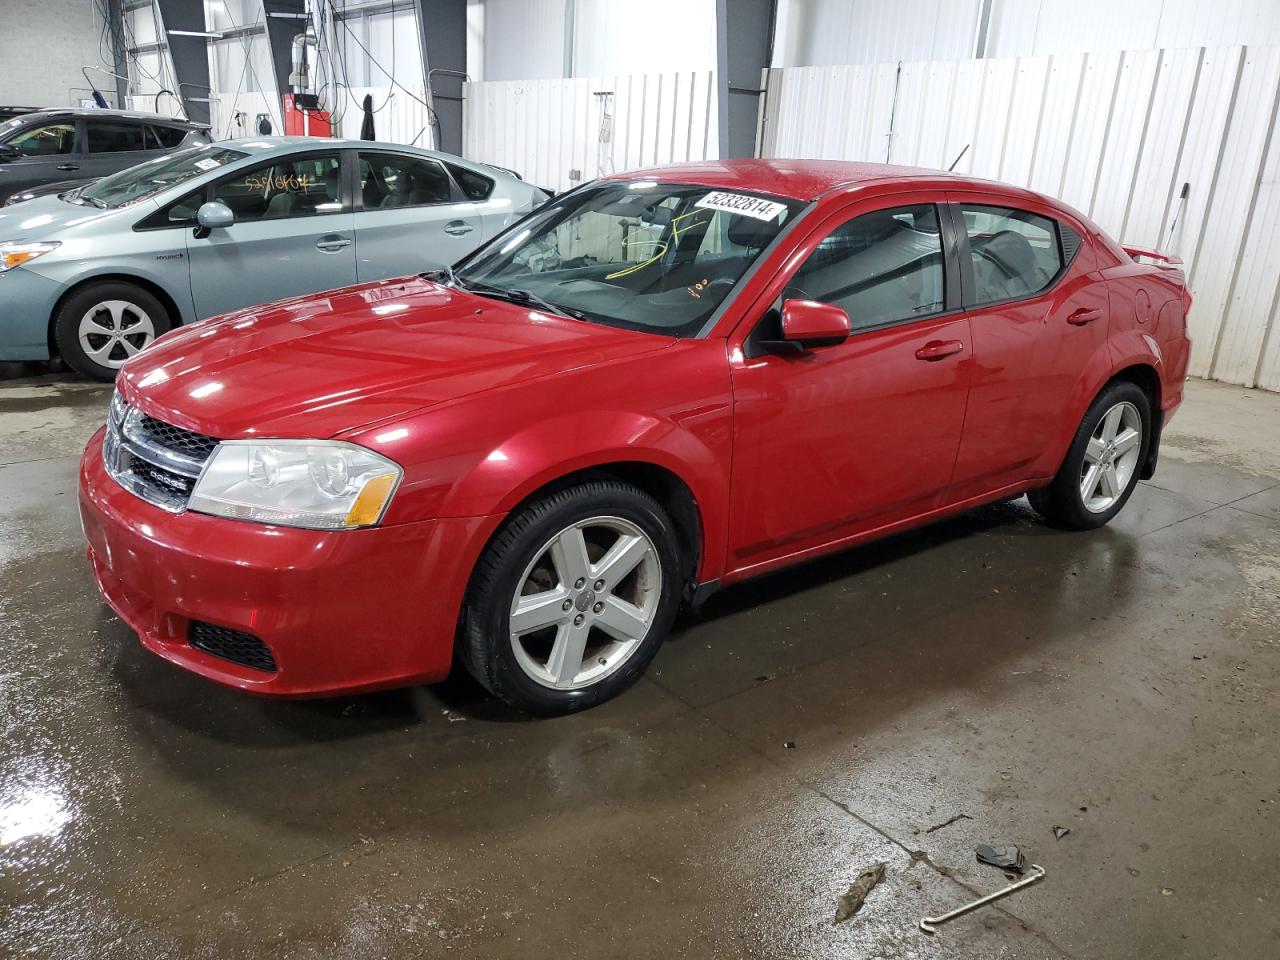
column 27, row 300
column 341, row 612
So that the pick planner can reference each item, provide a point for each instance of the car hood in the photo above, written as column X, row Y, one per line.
column 43, row 218
column 328, row 363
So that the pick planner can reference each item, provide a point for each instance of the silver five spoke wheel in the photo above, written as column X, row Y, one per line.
column 585, row 603
column 1111, row 457
column 112, row 331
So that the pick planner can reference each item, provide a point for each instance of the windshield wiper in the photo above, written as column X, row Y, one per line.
column 100, row 204
column 445, row 273
column 516, row 295
column 502, row 293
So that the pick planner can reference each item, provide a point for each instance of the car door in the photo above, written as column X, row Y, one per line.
column 839, row 440
column 410, row 216
column 47, row 152
column 293, row 234
column 112, row 144
column 1037, row 314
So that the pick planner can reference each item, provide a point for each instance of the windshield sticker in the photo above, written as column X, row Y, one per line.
column 741, row 203
column 208, row 164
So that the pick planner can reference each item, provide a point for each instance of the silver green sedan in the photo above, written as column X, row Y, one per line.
column 97, row 273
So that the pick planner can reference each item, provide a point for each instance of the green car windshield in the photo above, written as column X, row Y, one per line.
column 643, row 255
column 138, row 183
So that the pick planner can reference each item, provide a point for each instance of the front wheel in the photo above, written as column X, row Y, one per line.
column 102, row 325
column 1101, row 469
column 572, row 598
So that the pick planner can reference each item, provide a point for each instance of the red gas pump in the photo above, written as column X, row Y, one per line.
column 302, row 118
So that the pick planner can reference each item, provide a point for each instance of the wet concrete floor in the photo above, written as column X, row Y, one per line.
column 1122, row 684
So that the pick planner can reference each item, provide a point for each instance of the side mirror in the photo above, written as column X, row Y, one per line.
column 215, row 214
column 9, row 152
column 809, row 324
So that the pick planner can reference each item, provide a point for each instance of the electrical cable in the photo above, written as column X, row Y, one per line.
column 431, row 113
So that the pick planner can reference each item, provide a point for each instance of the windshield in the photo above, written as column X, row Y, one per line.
column 659, row 257
column 138, row 183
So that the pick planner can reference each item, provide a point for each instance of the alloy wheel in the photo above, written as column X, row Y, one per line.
column 112, row 331
column 585, row 603
column 1111, row 457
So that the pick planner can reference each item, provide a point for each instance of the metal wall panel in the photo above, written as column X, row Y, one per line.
column 550, row 129
column 1115, row 134
column 1040, row 27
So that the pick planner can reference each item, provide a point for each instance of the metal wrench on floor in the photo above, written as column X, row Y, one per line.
column 930, row 924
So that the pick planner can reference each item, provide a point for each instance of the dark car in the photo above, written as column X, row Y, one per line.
column 79, row 145
column 9, row 112
column 45, row 190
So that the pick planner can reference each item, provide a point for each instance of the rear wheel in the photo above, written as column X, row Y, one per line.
column 1101, row 469
column 102, row 325
column 572, row 598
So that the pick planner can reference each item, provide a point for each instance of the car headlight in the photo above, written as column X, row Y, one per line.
column 16, row 254
column 319, row 484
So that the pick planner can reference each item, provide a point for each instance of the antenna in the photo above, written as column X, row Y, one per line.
column 957, row 159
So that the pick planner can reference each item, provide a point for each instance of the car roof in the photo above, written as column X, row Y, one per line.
column 796, row 179
column 99, row 112
column 285, row 145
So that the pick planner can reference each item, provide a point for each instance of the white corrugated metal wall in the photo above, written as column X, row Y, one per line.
column 1115, row 134
column 548, row 130
column 832, row 32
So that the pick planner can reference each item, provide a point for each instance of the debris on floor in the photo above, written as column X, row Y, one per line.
column 789, row 745
column 930, row 924
column 850, row 902
column 947, row 823
column 1060, row 832
column 453, row 717
column 1005, row 858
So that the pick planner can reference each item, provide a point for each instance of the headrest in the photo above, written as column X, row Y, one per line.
column 1012, row 251
column 404, row 182
column 333, row 184
column 750, row 232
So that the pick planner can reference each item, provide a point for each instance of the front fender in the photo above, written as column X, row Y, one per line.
column 484, row 454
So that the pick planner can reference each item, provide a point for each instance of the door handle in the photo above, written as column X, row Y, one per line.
column 68, row 166
column 1084, row 315
column 332, row 244
column 937, row 349
column 456, row 228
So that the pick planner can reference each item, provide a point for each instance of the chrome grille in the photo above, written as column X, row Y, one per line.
column 152, row 459
column 175, row 438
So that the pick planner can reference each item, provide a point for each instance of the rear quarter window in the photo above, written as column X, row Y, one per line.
column 167, row 137
column 475, row 185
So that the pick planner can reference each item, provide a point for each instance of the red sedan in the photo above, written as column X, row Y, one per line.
column 655, row 385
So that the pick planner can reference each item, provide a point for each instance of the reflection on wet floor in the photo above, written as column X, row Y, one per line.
column 1119, row 683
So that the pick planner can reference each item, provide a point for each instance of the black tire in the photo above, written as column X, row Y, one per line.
column 143, row 308
column 1062, row 501
column 485, row 646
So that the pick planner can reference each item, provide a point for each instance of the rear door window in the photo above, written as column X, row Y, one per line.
column 1014, row 253
column 114, row 136
column 389, row 180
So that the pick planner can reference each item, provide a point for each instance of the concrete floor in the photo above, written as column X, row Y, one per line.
column 1122, row 684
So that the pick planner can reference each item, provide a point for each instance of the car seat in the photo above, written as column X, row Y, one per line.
column 1005, row 266
column 401, row 191
column 283, row 203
